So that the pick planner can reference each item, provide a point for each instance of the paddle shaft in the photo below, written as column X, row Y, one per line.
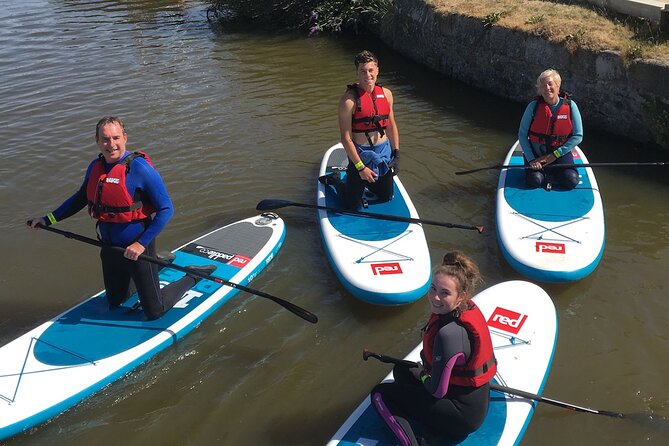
column 301, row 312
column 270, row 204
column 559, row 166
column 390, row 360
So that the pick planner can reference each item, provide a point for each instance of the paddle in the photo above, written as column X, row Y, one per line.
column 558, row 166
column 304, row 314
column 269, row 204
column 390, row 360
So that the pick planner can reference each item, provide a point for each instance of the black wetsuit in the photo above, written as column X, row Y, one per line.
column 458, row 413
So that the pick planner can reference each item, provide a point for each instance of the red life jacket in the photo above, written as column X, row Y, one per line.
column 481, row 365
column 372, row 111
column 548, row 129
column 108, row 197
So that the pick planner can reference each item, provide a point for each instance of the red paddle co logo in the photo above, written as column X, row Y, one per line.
column 507, row 320
column 381, row 269
column 239, row 261
column 551, row 248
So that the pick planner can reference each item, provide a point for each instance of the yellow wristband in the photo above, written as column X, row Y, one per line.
column 359, row 165
column 556, row 154
column 52, row 219
column 424, row 376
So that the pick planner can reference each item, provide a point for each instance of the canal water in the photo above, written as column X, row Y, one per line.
column 231, row 117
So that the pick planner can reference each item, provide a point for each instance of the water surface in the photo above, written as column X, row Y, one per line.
column 231, row 118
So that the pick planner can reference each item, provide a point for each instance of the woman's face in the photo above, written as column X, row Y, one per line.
column 443, row 295
column 549, row 90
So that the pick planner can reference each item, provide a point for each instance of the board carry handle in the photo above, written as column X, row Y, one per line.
column 271, row 203
column 560, row 166
column 301, row 312
column 366, row 354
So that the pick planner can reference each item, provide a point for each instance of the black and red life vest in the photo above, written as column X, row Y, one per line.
column 551, row 130
column 481, row 365
column 372, row 111
column 108, row 197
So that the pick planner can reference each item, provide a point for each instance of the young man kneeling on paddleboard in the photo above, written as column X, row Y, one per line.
column 127, row 197
column 369, row 135
column 448, row 393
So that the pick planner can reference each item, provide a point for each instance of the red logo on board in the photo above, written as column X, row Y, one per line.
column 507, row 320
column 380, row 269
column 551, row 248
column 239, row 261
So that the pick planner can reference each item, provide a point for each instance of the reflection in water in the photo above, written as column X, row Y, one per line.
column 234, row 118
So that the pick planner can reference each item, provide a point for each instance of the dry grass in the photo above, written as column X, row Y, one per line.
column 571, row 25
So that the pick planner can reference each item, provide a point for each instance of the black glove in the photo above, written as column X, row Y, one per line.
column 395, row 161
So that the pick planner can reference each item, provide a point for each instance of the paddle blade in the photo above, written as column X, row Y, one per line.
column 366, row 354
column 270, row 204
column 650, row 420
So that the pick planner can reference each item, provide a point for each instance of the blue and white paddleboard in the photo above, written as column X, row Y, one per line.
column 549, row 236
column 378, row 261
column 523, row 326
column 63, row 361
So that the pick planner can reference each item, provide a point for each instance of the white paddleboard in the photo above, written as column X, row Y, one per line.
column 549, row 236
column 523, row 326
column 61, row 362
column 378, row 261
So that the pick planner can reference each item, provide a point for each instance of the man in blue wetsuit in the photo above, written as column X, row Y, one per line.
column 128, row 198
column 549, row 130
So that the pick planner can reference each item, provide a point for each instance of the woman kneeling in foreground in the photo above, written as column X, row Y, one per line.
column 449, row 392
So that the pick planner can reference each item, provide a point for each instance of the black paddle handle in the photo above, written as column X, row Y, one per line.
column 499, row 388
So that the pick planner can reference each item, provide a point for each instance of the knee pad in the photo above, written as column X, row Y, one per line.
column 570, row 179
column 534, row 179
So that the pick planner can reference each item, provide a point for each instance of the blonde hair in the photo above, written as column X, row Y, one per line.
column 552, row 73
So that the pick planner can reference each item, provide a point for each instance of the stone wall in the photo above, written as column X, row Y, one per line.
column 623, row 100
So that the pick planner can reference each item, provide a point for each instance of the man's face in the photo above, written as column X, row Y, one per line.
column 111, row 141
column 367, row 74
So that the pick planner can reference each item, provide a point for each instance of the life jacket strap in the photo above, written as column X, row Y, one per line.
column 472, row 373
column 549, row 140
column 102, row 209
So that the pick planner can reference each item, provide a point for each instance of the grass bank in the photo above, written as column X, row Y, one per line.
column 567, row 23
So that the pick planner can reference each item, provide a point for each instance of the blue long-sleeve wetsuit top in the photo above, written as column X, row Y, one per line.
column 525, row 123
column 141, row 176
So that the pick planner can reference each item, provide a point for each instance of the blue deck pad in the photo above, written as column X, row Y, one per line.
column 91, row 331
column 370, row 426
column 556, row 205
column 369, row 229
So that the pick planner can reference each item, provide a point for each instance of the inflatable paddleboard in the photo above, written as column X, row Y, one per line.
column 68, row 358
column 549, row 236
column 378, row 261
column 523, row 327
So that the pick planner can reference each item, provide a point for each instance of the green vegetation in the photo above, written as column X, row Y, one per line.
column 534, row 19
column 355, row 15
column 492, row 18
column 313, row 16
